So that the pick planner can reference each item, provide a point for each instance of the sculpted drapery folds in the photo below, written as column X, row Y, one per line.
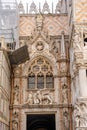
column 80, row 114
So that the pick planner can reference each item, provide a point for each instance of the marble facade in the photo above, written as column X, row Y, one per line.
column 57, row 47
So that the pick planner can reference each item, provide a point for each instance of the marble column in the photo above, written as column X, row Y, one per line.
column 83, row 82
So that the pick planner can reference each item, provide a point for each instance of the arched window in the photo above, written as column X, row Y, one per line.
column 40, row 74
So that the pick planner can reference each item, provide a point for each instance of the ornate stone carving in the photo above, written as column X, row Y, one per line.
column 40, row 97
column 63, row 67
column 66, row 119
column 15, row 125
column 39, row 22
column 16, row 95
column 46, row 8
column 77, row 39
column 80, row 115
column 33, row 8
column 64, row 93
column 54, row 48
column 39, row 46
column 21, row 8
column 58, row 7
column 15, row 119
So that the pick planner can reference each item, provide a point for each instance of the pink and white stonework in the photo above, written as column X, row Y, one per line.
column 53, row 81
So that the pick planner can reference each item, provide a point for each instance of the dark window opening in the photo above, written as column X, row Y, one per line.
column 85, row 41
column 86, row 72
column 41, row 122
column 0, row 44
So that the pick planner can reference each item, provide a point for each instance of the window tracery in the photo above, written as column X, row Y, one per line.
column 40, row 74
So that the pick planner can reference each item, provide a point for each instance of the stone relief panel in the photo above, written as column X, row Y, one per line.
column 80, row 115
column 40, row 97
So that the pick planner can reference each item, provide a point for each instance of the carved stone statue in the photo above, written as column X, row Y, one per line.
column 16, row 97
column 48, row 98
column 64, row 94
column 16, row 94
column 30, row 98
column 80, row 114
column 66, row 120
column 15, row 125
column 39, row 22
column 39, row 97
column 15, row 119
column 77, row 39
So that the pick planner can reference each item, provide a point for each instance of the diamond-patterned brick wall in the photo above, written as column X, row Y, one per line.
column 81, row 10
column 53, row 24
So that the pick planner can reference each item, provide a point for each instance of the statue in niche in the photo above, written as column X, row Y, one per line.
column 15, row 114
column 80, row 115
column 39, row 22
column 15, row 125
column 63, row 67
column 66, row 120
column 54, row 49
column 16, row 97
column 77, row 39
column 16, row 94
column 64, row 93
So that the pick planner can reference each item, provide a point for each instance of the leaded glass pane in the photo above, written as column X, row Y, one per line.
column 31, row 82
column 49, row 81
column 40, row 82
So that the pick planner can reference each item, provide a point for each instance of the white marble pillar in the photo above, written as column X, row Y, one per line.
column 56, row 86
column 83, row 82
